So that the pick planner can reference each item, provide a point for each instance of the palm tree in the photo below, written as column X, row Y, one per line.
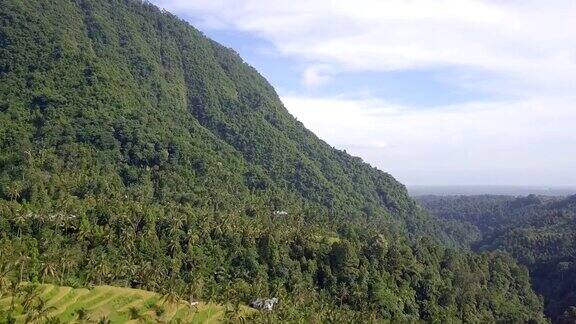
column 173, row 245
column 82, row 315
column 30, row 294
column 158, row 310
column 193, row 288
column 66, row 202
column 4, row 278
column 104, row 320
column 52, row 320
column 39, row 313
column 48, row 268
column 67, row 260
column 129, row 241
column 99, row 268
column 14, row 189
column 107, row 236
column 171, row 297
column 134, row 314
column 14, row 288
column 22, row 261
column 233, row 313
column 20, row 220
column 83, row 231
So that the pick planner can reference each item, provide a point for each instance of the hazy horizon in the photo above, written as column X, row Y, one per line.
column 508, row 190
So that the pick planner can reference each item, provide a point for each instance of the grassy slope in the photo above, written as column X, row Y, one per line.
column 114, row 303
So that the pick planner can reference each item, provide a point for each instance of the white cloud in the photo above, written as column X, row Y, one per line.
column 315, row 76
column 529, row 142
column 531, row 42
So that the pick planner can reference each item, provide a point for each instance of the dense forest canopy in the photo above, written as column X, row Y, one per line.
column 136, row 152
column 539, row 231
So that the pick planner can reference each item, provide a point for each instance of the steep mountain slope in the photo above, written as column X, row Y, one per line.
column 539, row 231
column 134, row 151
column 123, row 87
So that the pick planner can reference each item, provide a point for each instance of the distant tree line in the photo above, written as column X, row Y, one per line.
column 539, row 231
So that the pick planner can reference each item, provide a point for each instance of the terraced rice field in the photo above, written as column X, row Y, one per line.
column 119, row 305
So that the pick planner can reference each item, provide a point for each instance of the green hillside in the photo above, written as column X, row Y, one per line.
column 136, row 152
column 539, row 231
column 120, row 100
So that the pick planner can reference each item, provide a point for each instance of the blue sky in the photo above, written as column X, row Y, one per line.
column 447, row 92
column 419, row 87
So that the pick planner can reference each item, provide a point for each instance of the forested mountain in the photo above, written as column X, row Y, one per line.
column 539, row 231
column 136, row 152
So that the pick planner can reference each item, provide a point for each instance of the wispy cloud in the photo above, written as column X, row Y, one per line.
column 531, row 42
column 520, row 142
column 315, row 76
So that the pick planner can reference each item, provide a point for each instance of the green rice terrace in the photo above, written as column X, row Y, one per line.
column 46, row 303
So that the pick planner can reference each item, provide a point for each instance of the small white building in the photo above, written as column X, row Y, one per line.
column 264, row 304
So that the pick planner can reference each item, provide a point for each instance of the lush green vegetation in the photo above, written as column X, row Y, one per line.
column 355, row 273
column 47, row 303
column 115, row 99
column 135, row 152
column 540, row 232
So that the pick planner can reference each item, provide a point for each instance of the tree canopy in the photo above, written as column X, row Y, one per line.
column 539, row 231
column 134, row 151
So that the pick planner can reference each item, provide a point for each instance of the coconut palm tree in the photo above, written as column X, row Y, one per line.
column 22, row 261
column 52, row 320
column 14, row 189
column 30, row 294
column 48, row 269
column 134, row 314
column 20, row 220
column 171, row 296
column 99, row 268
column 5, row 272
column 82, row 315
column 194, row 289
column 14, row 289
column 39, row 313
